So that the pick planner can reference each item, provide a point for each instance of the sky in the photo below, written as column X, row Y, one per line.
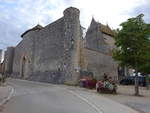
column 17, row 16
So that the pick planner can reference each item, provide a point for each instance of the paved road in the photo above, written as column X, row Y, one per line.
column 32, row 97
column 42, row 98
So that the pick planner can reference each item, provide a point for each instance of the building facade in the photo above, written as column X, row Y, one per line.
column 55, row 53
column 97, row 52
column 1, row 55
column 49, row 53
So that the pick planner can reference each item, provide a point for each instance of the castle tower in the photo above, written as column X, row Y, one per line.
column 0, row 55
column 72, row 43
column 9, row 60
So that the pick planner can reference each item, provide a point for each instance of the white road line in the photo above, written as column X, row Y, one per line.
column 72, row 92
column 9, row 96
column 32, row 82
column 85, row 100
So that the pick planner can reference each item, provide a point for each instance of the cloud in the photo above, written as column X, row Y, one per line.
column 143, row 8
column 17, row 16
column 112, row 12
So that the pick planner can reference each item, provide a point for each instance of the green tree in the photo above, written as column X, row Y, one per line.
column 133, row 46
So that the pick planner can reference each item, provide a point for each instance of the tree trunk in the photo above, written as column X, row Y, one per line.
column 136, row 84
column 147, row 85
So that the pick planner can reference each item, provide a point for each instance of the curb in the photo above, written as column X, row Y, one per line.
column 9, row 96
column 100, row 109
column 86, row 101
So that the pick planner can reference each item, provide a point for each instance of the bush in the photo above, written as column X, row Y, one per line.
column 148, row 78
column 70, row 84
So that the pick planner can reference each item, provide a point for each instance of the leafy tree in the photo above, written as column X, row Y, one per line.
column 133, row 46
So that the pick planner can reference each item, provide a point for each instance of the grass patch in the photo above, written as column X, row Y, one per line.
column 70, row 84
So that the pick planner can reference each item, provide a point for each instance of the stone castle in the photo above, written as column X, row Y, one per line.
column 97, row 52
column 58, row 53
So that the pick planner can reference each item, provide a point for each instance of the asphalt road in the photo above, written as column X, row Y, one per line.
column 30, row 97
column 34, row 97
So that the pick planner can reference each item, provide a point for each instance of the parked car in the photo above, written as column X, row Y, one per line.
column 87, row 83
column 130, row 80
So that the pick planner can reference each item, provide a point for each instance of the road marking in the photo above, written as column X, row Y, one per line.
column 85, row 100
column 9, row 96
column 32, row 82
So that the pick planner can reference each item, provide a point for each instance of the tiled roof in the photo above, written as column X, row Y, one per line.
column 37, row 27
column 106, row 29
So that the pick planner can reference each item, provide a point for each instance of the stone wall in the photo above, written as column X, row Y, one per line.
column 109, row 40
column 96, row 54
column 94, row 38
column 9, row 60
column 99, row 63
column 50, row 54
column 55, row 53
column 72, row 43
column 24, row 50
column 0, row 55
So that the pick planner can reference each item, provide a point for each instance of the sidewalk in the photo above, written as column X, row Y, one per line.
column 5, row 93
column 99, row 102
column 126, row 96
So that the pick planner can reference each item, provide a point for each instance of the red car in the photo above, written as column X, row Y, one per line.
column 87, row 83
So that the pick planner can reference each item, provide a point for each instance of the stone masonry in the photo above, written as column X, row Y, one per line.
column 53, row 53
column 0, row 55
column 97, row 52
column 50, row 53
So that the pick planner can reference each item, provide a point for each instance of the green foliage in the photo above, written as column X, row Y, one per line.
column 148, row 78
column 94, row 79
column 133, row 44
column 69, row 84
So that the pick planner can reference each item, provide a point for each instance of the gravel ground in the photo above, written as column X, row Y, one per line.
column 126, row 96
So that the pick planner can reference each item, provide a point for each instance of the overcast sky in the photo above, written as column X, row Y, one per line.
column 16, row 16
